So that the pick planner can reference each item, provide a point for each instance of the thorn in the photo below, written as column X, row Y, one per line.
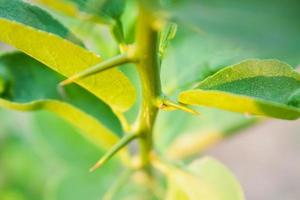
column 69, row 80
column 97, row 165
column 100, row 67
column 115, row 149
column 166, row 104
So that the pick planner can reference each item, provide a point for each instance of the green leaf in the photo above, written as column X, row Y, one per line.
column 259, row 87
column 206, row 179
column 31, row 16
column 33, row 86
column 36, row 33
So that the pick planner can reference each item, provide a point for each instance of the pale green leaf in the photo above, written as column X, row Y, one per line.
column 36, row 33
column 206, row 179
column 259, row 87
column 31, row 86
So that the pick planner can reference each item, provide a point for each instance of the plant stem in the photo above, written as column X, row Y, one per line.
column 148, row 68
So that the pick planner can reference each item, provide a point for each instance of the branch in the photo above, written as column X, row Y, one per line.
column 115, row 149
column 101, row 67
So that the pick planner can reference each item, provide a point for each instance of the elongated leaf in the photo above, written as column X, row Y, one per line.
column 32, row 86
column 36, row 33
column 205, row 179
column 260, row 87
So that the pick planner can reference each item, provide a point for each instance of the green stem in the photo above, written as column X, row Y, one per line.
column 148, row 68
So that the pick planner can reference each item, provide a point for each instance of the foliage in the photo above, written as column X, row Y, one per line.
column 192, row 62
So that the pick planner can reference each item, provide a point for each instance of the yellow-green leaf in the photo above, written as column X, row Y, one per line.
column 206, row 179
column 31, row 86
column 33, row 31
column 259, row 87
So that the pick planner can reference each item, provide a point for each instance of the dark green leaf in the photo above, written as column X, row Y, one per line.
column 261, row 87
